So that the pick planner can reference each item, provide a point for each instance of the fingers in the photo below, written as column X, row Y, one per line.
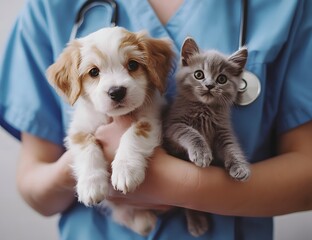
column 135, row 201
column 109, row 135
column 66, row 176
column 140, row 205
column 114, row 129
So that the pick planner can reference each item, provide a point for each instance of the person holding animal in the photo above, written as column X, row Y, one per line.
column 273, row 132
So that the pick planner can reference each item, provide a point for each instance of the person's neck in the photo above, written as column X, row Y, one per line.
column 165, row 9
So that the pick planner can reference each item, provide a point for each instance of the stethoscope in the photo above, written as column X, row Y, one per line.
column 250, row 86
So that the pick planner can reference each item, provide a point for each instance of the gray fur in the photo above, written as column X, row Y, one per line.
column 198, row 125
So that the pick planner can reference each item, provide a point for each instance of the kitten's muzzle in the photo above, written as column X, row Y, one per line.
column 117, row 93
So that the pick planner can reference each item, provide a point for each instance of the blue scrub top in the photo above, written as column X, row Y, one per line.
column 279, row 39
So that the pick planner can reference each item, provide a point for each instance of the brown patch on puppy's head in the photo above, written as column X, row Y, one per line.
column 63, row 74
column 156, row 56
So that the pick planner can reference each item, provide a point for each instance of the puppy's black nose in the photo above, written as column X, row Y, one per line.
column 117, row 93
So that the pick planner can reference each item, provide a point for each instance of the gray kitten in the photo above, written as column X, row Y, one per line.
column 198, row 126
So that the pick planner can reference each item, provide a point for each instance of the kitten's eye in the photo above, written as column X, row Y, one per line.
column 133, row 65
column 199, row 74
column 94, row 72
column 222, row 79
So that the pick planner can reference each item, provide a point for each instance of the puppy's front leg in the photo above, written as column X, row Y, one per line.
column 90, row 168
column 136, row 145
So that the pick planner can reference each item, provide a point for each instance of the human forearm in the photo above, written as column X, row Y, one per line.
column 44, row 179
column 277, row 186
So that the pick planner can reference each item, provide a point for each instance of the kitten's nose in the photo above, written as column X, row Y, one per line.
column 209, row 87
column 117, row 93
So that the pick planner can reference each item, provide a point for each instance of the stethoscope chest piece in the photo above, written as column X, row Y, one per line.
column 249, row 89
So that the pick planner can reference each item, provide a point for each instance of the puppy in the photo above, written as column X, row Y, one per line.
column 108, row 74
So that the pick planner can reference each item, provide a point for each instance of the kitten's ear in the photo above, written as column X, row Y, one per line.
column 239, row 57
column 189, row 48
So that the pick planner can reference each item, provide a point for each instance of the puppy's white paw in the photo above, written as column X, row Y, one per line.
column 93, row 189
column 143, row 222
column 139, row 221
column 125, row 177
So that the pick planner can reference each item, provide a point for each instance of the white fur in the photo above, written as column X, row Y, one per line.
column 95, row 108
column 90, row 170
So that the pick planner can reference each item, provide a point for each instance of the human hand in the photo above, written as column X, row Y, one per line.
column 144, row 196
column 45, row 180
column 67, row 180
column 109, row 136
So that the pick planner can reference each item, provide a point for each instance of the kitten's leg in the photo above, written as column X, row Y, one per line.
column 230, row 152
column 197, row 222
column 192, row 141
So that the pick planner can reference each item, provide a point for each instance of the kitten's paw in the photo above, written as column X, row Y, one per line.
column 202, row 157
column 93, row 189
column 240, row 171
column 126, row 178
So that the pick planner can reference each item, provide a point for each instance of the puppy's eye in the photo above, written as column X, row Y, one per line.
column 221, row 79
column 199, row 74
column 133, row 65
column 94, row 72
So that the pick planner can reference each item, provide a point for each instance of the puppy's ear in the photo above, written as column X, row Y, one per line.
column 159, row 60
column 63, row 74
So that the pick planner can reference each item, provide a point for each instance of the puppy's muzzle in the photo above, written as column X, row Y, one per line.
column 117, row 93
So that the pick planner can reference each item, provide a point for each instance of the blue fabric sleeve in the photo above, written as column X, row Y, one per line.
column 296, row 97
column 27, row 101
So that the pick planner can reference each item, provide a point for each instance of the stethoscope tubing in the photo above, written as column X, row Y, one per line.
column 86, row 7
column 243, row 24
column 250, row 86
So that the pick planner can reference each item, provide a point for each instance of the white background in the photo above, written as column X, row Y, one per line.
column 18, row 221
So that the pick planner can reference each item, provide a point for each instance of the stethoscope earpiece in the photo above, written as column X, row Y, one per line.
column 249, row 89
